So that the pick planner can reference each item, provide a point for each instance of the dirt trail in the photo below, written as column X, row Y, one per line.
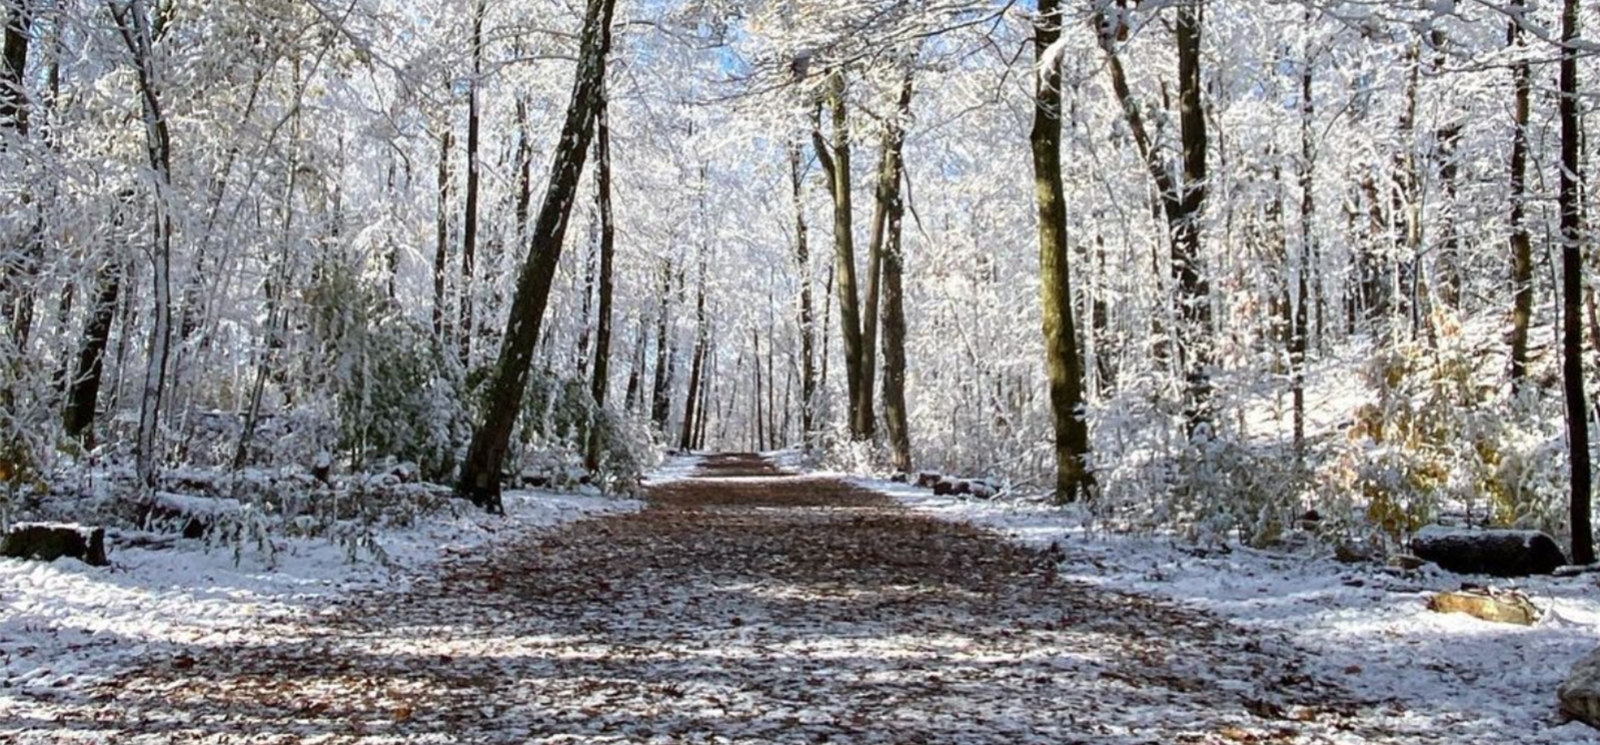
column 742, row 606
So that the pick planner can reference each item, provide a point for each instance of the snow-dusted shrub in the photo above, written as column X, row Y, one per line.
column 1227, row 488
column 1216, row 486
column 397, row 393
column 559, row 416
column 1439, row 437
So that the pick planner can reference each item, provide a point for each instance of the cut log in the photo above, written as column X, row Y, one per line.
column 51, row 541
column 928, row 479
column 191, row 516
column 951, row 486
column 1489, row 605
column 1500, row 553
column 1579, row 694
column 984, row 488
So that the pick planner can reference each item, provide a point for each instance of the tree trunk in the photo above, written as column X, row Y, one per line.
column 13, row 64
column 1182, row 202
column 630, row 398
column 837, row 167
column 661, row 388
column 697, row 365
column 608, row 240
column 1406, row 200
column 1521, row 242
column 480, row 474
column 134, row 24
column 1572, row 292
column 1308, row 252
column 894, row 315
column 1062, row 361
column 469, row 224
column 17, row 288
column 84, row 389
column 755, row 358
column 442, row 236
column 808, row 371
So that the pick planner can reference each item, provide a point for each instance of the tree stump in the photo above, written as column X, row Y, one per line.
column 1500, row 553
column 51, row 541
column 1488, row 605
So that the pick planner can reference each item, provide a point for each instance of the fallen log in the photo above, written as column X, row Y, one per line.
column 51, row 541
column 1500, row 553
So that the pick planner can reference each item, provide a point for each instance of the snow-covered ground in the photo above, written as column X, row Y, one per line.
column 1428, row 674
column 65, row 625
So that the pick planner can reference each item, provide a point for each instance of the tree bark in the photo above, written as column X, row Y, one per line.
column 837, row 167
column 608, row 245
column 697, row 365
column 1570, row 197
column 892, row 208
column 133, row 22
column 1062, row 361
column 469, row 224
column 13, row 64
column 84, row 389
column 442, row 236
column 17, row 288
column 802, row 257
column 630, row 397
column 1521, row 242
column 1308, row 252
column 1182, row 198
column 480, row 474
column 661, row 385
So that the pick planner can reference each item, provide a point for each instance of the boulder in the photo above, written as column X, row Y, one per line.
column 51, row 541
column 1495, row 606
column 1579, row 694
column 1500, row 553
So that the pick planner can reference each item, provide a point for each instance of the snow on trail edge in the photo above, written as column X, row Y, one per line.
column 1429, row 675
column 65, row 625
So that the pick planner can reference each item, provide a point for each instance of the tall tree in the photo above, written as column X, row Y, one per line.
column 1570, row 200
column 802, row 258
column 469, row 223
column 133, row 22
column 697, row 363
column 896, row 420
column 1521, row 241
column 18, row 19
column 17, row 293
column 608, row 246
column 480, row 474
column 442, row 235
column 835, row 160
column 661, row 382
column 1308, row 248
column 1062, row 361
column 1183, row 196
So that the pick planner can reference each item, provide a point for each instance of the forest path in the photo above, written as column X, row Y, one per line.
column 741, row 606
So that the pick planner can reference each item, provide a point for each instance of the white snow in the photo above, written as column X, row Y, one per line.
column 675, row 468
column 65, row 624
column 1429, row 676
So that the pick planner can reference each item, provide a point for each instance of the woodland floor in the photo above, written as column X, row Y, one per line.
column 741, row 606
